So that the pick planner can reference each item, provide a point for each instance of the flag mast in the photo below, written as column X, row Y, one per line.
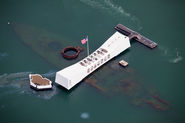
column 87, row 46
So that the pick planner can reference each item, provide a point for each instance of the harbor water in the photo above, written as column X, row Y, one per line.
column 150, row 89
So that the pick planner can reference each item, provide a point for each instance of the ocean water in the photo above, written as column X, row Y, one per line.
column 150, row 89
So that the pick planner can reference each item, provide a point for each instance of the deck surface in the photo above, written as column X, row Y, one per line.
column 134, row 35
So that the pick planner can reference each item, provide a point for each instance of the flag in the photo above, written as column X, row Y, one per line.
column 83, row 41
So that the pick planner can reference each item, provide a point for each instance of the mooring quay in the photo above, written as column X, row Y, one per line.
column 134, row 35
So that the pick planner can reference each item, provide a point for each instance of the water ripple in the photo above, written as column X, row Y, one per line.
column 115, row 10
column 19, row 83
column 172, row 55
column 3, row 54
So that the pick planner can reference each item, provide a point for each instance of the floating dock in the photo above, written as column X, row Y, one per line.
column 37, row 82
column 134, row 35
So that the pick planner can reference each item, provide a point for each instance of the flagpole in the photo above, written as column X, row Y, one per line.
column 87, row 46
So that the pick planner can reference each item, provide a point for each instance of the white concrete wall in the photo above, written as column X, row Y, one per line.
column 70, row 76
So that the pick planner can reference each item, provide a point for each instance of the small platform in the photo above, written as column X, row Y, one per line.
column 37, row 82
column 123, row 63
column 134, row 35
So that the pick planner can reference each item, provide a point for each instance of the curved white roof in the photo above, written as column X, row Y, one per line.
column 70, row 76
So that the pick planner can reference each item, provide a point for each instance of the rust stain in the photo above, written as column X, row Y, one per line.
column 92, row 82
column 160, row 100
column 155, row 105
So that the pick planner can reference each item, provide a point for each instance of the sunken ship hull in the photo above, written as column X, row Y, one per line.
column 128, row 83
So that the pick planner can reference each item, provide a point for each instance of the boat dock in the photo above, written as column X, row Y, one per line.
column 134, row 35
column 37, row 82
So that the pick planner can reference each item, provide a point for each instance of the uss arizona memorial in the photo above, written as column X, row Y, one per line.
column 72, row 75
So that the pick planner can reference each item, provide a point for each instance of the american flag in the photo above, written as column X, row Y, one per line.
column 83, row 41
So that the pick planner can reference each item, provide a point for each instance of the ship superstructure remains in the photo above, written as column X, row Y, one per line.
column 70, row 76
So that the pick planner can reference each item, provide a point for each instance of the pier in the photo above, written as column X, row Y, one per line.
column 134, row 35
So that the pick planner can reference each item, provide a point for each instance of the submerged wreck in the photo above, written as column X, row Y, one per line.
column 116, row 44
column 127, row 82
